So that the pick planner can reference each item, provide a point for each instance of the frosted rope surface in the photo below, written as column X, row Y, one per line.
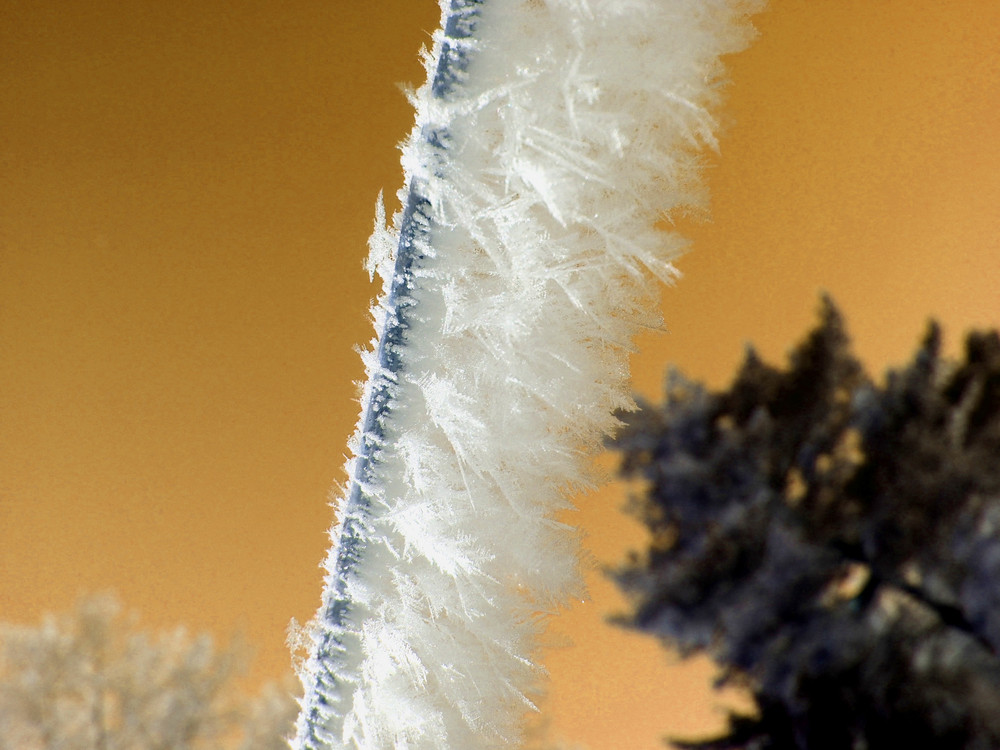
column 541, row 162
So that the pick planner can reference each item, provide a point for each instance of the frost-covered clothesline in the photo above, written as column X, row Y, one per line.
column 549, row 139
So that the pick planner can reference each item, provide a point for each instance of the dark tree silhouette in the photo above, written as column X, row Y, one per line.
column 833, row 544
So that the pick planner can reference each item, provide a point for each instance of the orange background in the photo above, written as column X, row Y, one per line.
column 186, row 189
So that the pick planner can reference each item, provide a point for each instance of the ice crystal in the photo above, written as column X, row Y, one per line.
column 549, row 139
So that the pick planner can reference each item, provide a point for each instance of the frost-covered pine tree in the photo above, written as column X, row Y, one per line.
column 834, row 544
column 550, row 137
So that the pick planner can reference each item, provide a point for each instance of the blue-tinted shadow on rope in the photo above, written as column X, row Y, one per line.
column 415, row 234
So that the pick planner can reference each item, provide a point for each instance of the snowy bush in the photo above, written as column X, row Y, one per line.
column 90, row 679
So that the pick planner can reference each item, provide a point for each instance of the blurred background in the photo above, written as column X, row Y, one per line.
column 186, row 191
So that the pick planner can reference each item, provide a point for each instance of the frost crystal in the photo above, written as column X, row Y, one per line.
column 549, row 139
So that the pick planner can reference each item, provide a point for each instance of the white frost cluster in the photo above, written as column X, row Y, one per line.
column 576, row 128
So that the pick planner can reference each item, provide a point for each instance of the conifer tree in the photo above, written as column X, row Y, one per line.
column 831, row 542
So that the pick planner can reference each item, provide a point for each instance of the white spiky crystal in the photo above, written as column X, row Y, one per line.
column 574, row 127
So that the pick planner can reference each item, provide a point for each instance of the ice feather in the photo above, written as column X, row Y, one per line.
column 550, row 138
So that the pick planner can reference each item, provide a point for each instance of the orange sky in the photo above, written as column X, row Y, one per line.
column 186, row 190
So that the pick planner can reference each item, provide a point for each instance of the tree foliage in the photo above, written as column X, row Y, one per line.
column 89, row 679
column 831, row 542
